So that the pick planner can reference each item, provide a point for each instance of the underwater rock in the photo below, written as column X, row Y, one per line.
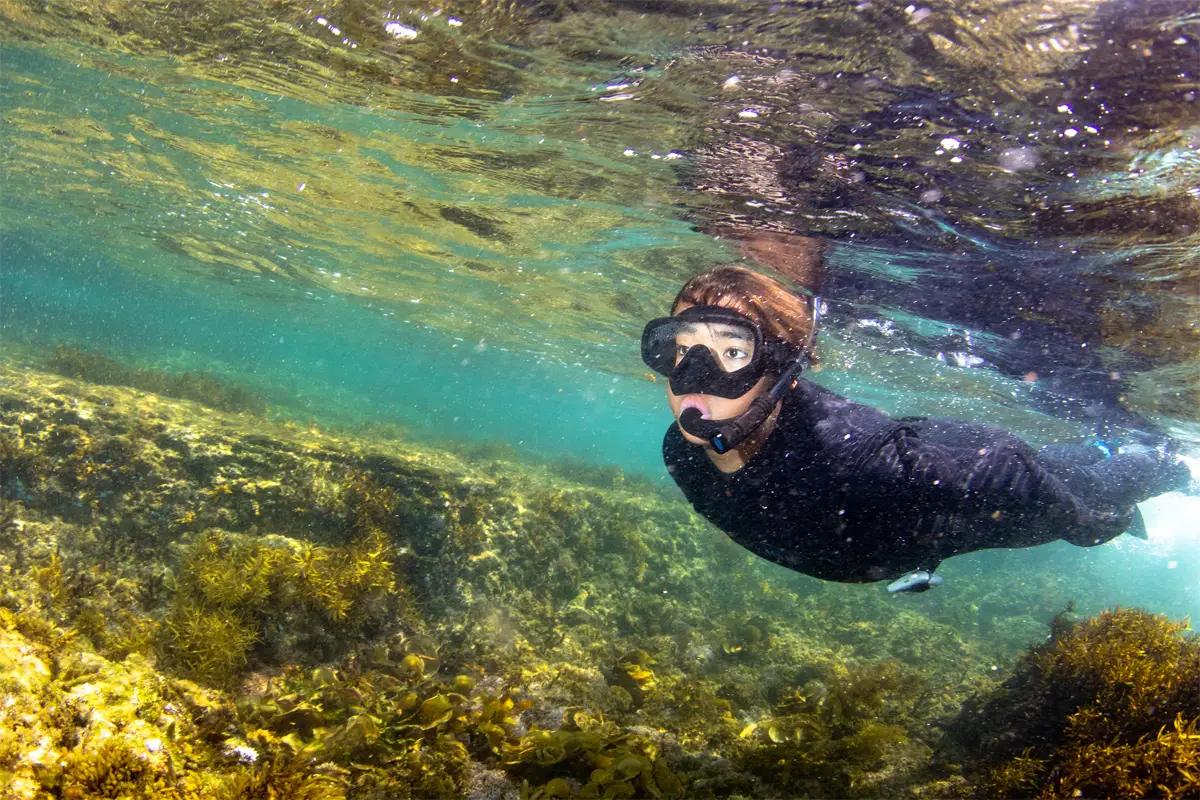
column 77, row 725
column 490, row 784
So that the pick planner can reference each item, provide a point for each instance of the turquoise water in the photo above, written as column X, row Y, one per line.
column 459, row 227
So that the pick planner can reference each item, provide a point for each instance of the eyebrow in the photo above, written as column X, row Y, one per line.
column 733, row 333
column 725, row 332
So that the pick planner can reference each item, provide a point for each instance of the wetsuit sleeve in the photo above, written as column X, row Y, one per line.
column 1001, row 478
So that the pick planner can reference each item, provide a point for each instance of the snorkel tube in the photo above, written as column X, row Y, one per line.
column 724, row 435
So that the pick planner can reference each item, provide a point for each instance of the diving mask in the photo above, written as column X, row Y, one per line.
column 712, row 350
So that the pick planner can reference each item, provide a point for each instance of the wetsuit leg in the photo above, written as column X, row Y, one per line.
column 1119, row 481
column 1116, row 482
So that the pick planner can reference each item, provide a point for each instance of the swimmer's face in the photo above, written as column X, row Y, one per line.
column 733, row 350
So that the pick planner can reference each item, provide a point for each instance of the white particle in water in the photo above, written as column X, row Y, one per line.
column 454, row 22
column 1016, row 159
column 731, row 81
column 629, row 151
column 400, row 31
column 950, row 143
column 748, row 113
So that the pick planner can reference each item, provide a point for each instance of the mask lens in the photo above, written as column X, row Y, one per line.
column 732, row 346
column 665, row 342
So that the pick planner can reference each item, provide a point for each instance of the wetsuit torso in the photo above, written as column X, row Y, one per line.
column 843, row 492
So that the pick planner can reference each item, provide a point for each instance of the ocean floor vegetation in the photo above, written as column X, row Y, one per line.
column 1109, row 707
column 96, row 367
column 197, row 604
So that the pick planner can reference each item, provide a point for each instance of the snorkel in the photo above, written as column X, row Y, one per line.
column 724, row 435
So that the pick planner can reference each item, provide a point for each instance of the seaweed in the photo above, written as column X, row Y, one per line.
column 825, row 736
column 1108, row 707
column 607, row 761
column 209, row 390
column 22, row 466
column 283, row 777
column 232, row 592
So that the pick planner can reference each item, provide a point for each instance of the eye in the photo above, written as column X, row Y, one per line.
column 735, row 353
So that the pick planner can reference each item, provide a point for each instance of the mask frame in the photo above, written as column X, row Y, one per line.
column 700, row 372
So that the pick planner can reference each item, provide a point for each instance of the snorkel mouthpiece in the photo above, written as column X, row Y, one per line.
column 726, row 434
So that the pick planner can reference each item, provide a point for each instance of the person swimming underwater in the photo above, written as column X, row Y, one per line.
column 840, row 491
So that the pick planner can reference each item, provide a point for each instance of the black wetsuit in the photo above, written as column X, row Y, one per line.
column 843, row 492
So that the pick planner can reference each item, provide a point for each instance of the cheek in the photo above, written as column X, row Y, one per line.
column 673, row 401
column 724, row 407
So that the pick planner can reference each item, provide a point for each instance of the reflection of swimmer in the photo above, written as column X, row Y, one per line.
column 838, row 490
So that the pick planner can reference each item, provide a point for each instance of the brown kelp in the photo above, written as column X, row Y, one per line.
column 1109, row 707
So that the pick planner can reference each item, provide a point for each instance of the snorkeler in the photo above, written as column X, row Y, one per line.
column 840, row 491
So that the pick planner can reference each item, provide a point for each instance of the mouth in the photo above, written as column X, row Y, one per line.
column 694, row 401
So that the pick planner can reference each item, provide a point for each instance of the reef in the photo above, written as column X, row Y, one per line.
column 201, row 604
